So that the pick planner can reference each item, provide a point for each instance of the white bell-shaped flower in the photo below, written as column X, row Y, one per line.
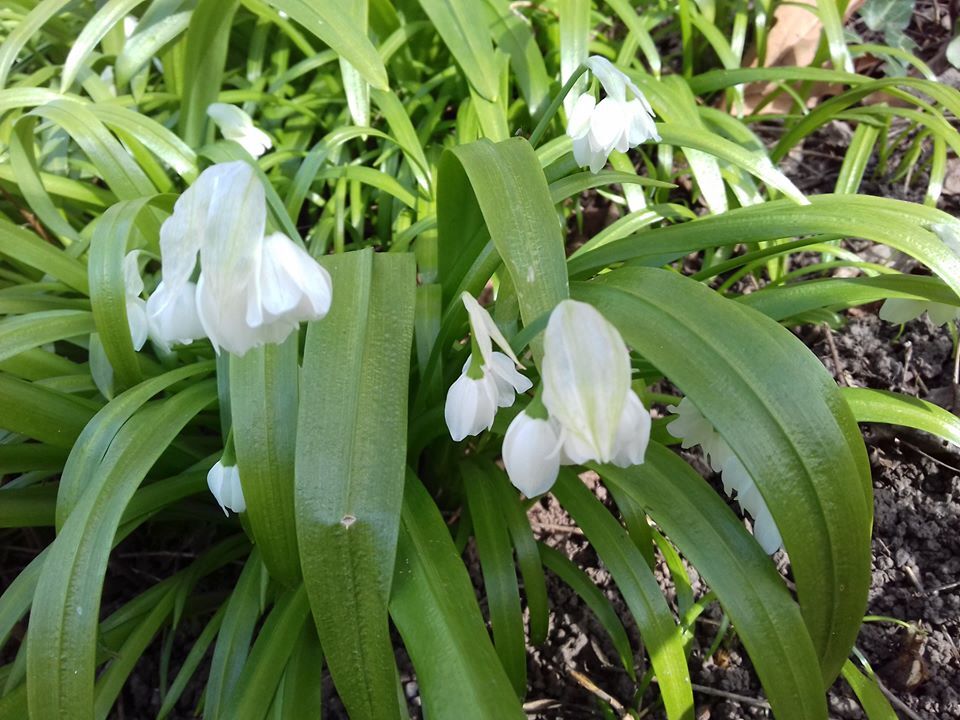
column 471, row 406
column 586, row 380
column 251, row 289
column 615, row 123
column 136, row 305
column 901, row 310
column 472, row 400
column 633, row 433
column 531, row 453
column 692, row 428
column 224, row 483
column 236, row 125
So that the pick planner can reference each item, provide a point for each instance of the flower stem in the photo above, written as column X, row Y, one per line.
column 551, row 110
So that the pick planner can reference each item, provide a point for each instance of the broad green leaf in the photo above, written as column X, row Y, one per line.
column 23, row 246
column 436, row 613
column 330, row 24
column 25, row 332
column 499, row 572
column 462, row 26
column 638, row 585
column 747, row 583
column 891, row 408
column 351, row 449
column 264, row 395
column 798, row 440
column 61, row 644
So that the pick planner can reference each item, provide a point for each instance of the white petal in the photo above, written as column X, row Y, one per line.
column 941, row 313
column 582, row 153
column 509, row 381
column 586, row 376
column 639, row 123
column 531, row 454
column 901, row 310
column 236, row 125
column 579, row 123
column 766, row 532
column 471, row 406
column 633, row 435
column 290, row 285
column 485, row 330
column 172, row 314
column 224, row 484
column 613, row 80
column 137, row 320
column 607, row 125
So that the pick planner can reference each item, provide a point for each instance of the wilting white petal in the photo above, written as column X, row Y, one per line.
column 508, row 380
column 901, row 310
column 172, row 314
column 236, row 125
column 586, row 377
column 633, row 435
column 471, row 406
column 485, row 330
column 531, row 454
column 224, row 483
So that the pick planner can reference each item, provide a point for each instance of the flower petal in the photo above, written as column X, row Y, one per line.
column 485, row 330
column 531, row 454
column 509, row 381
column 633, row 435
column 613, row 80
column 290, row 285
column 579, row 123
column 471, row 406
column 172, row 314
column 901, row 310
column 224, row 484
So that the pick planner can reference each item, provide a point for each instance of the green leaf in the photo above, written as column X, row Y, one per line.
column 436, row 613
column 749, row 588
column 638, row 585
column 24, row 31
column 94, row 30
column 351, row 450
column 462, row 26
column 264, row 395
column 333, row 27
column 24, row 332
column 871, row 697
column 499, row 572
column 23, row 246
column 890, row 408
column 61, row 645
column 798, row 440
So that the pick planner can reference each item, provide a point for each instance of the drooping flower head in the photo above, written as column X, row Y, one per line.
column 620, row 121
column 251, row 289
column 486, row 383
column 236, row 125
column 224, row 483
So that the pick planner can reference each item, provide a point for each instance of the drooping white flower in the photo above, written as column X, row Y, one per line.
column 615, row 123
column 901, row 310
column 531, row 453
column 586, row 380
column 136, row 305
column 224, row 483
column 251, row 289
column 236, row 125
column 633, row 433
column 472, row 400
column 694, row 429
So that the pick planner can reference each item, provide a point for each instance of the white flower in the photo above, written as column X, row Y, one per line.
column 531, row 453
column 694, row 429
column 586, row 380
column 472, row 400
column 136, row 306
column 901, row 310
column 615, row 123
column 224, row 483
column 471, row 406
column 236, row 125
column 251, row 289
column 633, row 433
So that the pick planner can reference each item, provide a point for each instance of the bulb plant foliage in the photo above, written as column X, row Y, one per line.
column 309, row 281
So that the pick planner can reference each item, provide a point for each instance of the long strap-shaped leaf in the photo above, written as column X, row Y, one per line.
column 263, row 400
column 782, row 414
column 766, row 618
column 434, row 609
column 351, row 450
column 639, row 588
column 61, row 645
column 880, row 406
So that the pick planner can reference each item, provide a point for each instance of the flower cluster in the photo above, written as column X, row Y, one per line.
column 489, row 380
column 252, row 288
column 693, row 429
column 615, row 123
column 586, row 412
